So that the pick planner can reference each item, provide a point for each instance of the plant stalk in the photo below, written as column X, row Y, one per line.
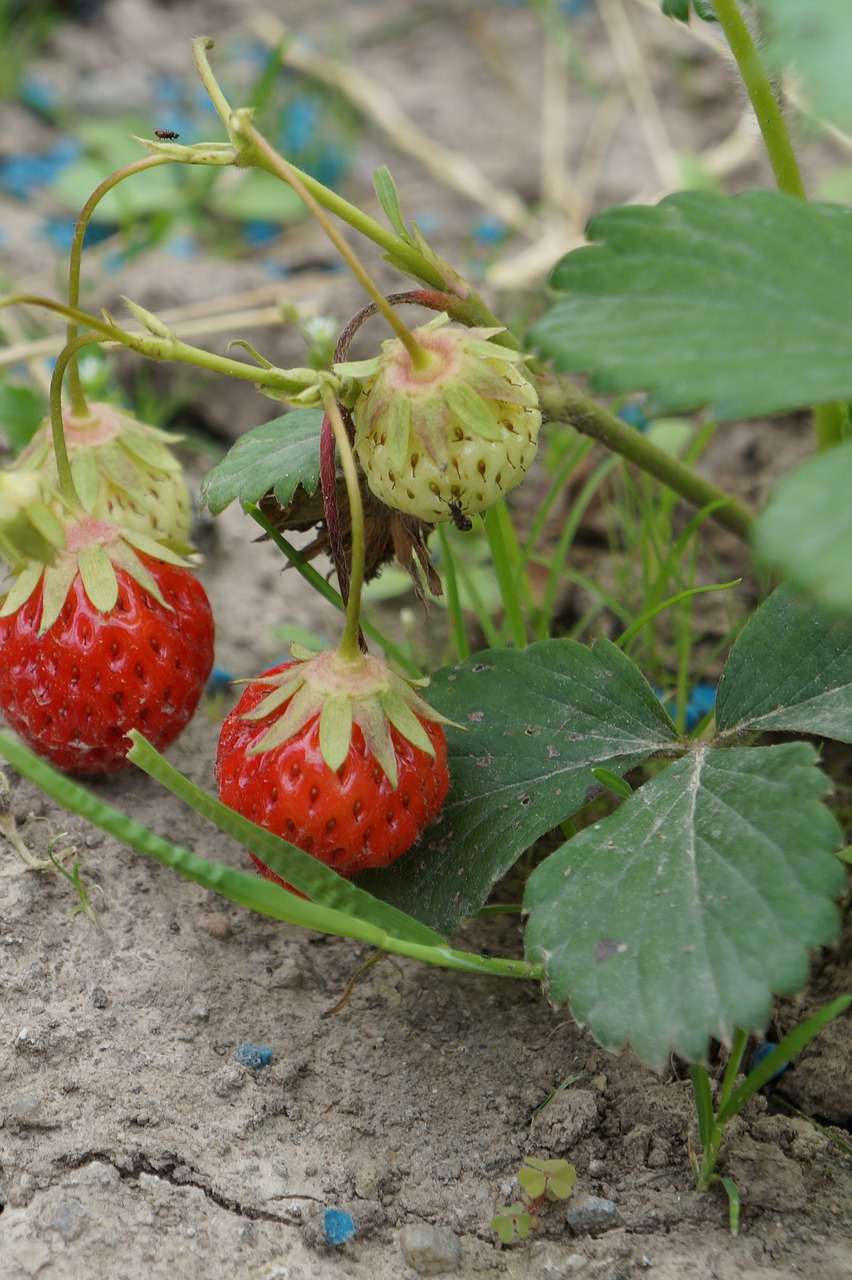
column 563, row 400
column 763, row 98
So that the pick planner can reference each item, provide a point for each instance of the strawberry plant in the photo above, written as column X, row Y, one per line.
column 670, row 917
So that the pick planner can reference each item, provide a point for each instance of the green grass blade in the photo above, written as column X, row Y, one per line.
column 243, row 888
column 782, row 1054
column 295, row 866
column 703, row 1103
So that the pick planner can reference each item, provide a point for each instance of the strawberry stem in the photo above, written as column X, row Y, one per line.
column 350, row 641
column 75, row 389
column 276, row 164
column 67, row 357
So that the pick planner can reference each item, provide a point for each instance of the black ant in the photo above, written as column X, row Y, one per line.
column 166, row 135
column 462, row 522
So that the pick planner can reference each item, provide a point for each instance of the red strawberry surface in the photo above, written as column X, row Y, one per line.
column 350, row 818
column 73, row 693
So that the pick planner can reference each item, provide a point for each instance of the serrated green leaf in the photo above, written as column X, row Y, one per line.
column 538, row 721
column 676, row 919
column 678, row 9
column 790, row 669
column 738, row 303
column 805, row 530
column 814, row 37
column 280, row 455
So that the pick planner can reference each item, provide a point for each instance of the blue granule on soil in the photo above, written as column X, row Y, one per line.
column 760, row 1053
column 337, row 1225
column 255, row 1056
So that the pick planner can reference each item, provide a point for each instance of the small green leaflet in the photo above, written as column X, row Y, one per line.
column 790, row 669
column 538, row 720
column 740, row 304
column 280, row 455
column 388, row 198
column 815, row 37
column 680, row 9
column 676, row 919
column 805, row 530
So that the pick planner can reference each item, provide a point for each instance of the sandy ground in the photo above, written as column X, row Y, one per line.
column 133, row 1141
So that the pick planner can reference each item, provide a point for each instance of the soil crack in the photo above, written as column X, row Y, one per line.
column 178, row 1173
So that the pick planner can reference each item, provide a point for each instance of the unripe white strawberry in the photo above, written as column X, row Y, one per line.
column 124, row 472
column 447, row 437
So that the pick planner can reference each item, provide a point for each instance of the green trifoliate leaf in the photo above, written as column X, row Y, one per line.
column 538, row 721
column 740, row 304
column 814, row 38
column 99, row 580
column 790, row 669
column 282, row 456
column 805, row 531
column 676, row 919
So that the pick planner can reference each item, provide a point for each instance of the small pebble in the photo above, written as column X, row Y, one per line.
column 429, row 1250
column 100, row 999
column 216, row 924
column 590, row 1215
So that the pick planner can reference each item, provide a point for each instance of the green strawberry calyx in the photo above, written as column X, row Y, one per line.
column 123, row 470
column 344, row 691
column 457, row 429
column 29, row 529
column 93, row 549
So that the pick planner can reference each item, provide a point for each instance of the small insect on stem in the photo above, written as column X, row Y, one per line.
column 166, row 135
column 462, row 522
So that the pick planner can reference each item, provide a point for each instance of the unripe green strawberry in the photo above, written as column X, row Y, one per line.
column 447, row 438
column 124, row 473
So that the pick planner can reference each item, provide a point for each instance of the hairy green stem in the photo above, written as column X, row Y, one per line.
column 349, row 646
column 764, row 100
column 561, row 399
column 277, row 165
column 75, row 389
column 67, row 357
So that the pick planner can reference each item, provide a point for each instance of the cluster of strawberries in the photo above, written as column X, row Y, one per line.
column 105, row 628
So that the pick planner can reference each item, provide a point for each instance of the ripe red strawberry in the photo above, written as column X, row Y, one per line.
column 351, row 815
column 75, row 676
